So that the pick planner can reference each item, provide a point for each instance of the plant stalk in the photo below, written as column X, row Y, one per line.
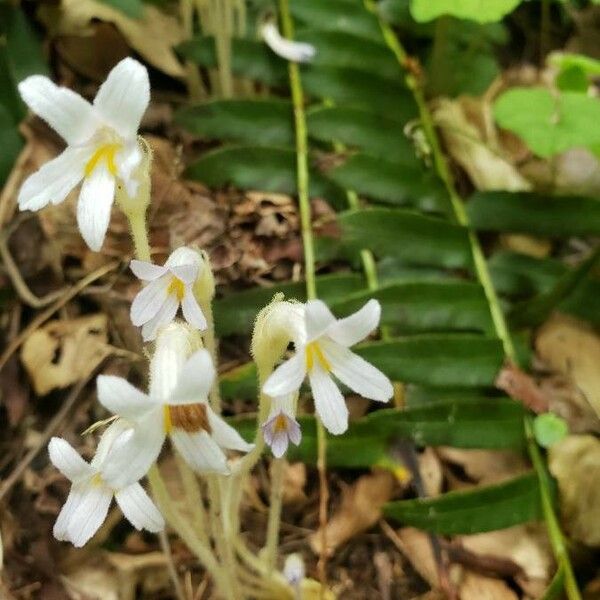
column 287, row 27
column 483, row 275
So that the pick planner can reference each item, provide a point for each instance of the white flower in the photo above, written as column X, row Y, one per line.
column 176, row 407
column 101, row 144
column 281, row 426
column 170, row 287
column 288, row 49
column 322, row 350
column 294, row 570
column 91, row 493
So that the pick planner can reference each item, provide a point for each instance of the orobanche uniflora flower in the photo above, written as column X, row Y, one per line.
column 91, row 493
column 290, row 50
column 101, row 141
column 176, row 407
column 323, row 350
column 281, row 426
column 169, row 287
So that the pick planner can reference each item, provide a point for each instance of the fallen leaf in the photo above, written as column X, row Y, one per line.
column 479, row 587
column 483, row 467
column 360, row 509
column 575, row 463
column 153, row 35
column 293, row 484
column 525, row 545
column 416, row 547
column 572, row 348
column 92, row 582
column 468, row 145
column 63, row 352
column 526, row 244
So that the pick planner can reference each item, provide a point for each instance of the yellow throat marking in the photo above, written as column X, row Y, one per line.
column 97, row 480
column 105, row 152
column 177, row 287
column 167, row 423
column 280, row 424
column 313, row 351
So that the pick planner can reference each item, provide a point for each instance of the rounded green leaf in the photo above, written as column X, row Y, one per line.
column 549, row 429
column 482, row 11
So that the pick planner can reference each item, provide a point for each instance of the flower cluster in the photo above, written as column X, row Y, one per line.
column 104, row 153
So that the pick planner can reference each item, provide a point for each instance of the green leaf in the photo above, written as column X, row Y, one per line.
column 482, row 11
column 444, row 360
column 409, row 236
column 372, row 133
column 535, row 311
column 547, row 123
column 536, row 214
column 251, row 59
column 491, row 424
column 555, row 591
column 392, row 183
column 236, row 312
column 359, row 89
column 266, row 122
column 549, row 429
column 437, row 360
column 473, row 511
column 518, row 275
column 340, row 49
column 425, row 306
column 132, row 8
column 337, row 15
column 10, row 142
column 260, row 168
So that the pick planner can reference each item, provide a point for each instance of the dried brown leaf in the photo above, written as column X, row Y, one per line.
column 360, row 509
column 575, row 462
column 63, row 352
column 572, row 348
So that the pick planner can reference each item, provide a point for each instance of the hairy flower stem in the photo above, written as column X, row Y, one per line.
column 552, row 526
column 277, row 479
column 287, row 27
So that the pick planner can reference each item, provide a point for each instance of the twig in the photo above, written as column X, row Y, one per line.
column 52, row 426
column 166, row 548
column 45, row 315
column 26, row 295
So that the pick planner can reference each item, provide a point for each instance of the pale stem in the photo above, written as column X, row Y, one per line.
column 211, row 344
column 139, row 235
column 278, row 468
column 287, row 27
column 183, row 530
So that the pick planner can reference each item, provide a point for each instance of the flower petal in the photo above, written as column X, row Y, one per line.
column 358, row 374
column 225, row 435
column 70, row 115
column 163, row 317
column 279, row 444
column 200, row 451
column 356, row 327
column 192, row 312
column 126, row 160
column 318, row 319
column 288, row 49
column 195, row 380
column 138, row 509
column 121, row 398
column 146, row 271
column 131, row 456
column 329, row 402
column 54, row 180
column 287, row 377
column 90, row 508
column 67, row 460
column 187, row 273
column 123, row 98
column 61, row 525
column 94, row 205
column 149, row 300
